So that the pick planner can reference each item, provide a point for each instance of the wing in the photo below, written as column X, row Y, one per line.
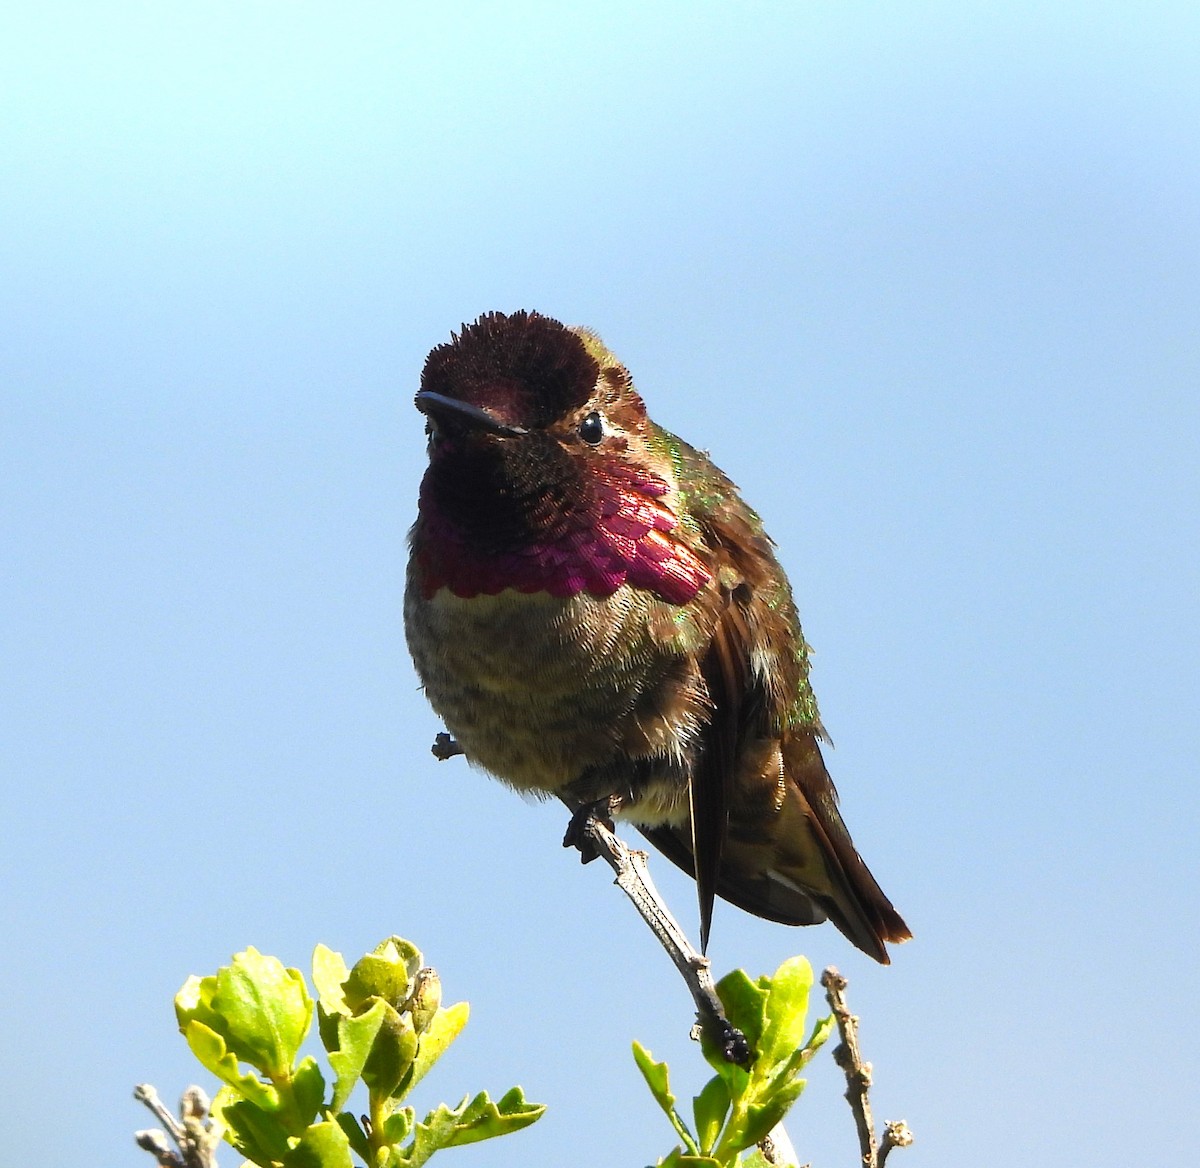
column 766, row 833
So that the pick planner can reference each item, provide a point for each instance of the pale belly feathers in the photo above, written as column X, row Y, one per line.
column 580, row 696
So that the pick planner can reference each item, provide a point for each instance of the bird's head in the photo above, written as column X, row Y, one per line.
column 543, row 463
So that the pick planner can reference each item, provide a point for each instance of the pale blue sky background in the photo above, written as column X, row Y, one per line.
column 923, row 277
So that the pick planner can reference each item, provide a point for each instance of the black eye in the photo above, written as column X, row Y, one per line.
column 591, row 429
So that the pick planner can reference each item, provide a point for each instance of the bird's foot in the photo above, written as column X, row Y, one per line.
column 445, row 747
column 577, row 835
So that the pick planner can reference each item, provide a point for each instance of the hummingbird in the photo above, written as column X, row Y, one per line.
column 596, row 614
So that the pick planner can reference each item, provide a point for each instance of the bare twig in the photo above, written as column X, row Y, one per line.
column 633, row 878
column 192, row 1134
column 895, row 1135
column 595, row 837
column 848, row 1056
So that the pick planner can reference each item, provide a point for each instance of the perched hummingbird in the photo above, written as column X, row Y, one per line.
column 596, row 614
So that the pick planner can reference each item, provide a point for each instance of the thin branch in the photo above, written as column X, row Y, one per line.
column 848, row 1056
column 594, row 837
column 192, row 1133
column 633, row 878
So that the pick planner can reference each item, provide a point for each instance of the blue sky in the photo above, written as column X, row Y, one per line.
column 923, row 278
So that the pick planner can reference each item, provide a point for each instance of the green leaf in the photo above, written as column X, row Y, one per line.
column 209, row 1047
column 397, row 1125
column 355, row 1135
column 783, row 1074
column 398, row 949
column 760, row 1119
column 392, row 1053
column 785, row 1012
column 745, row 1004
column 193, row 1003
column 268, row 1009
column 655, row 1075
column 443, row 1029
column 429, row 1136
column 710, row 1108
column 483, row 1120
column 800, row 1057
column 387, row 972
column 308, row 1090
column 820, row 1035
column 470, row 1122
column 254, row 1013
column 375, row 976
column 324, row 1145
column 681, row 1159
column 257, row 1134
column 261, row 1010
column 752, row 1122
column 355, row 1038
column 329, row 971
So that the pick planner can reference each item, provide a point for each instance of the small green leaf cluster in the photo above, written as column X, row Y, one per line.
column 740, row 1105
column 381, row 1023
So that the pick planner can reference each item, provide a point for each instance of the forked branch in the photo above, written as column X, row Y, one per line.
column 192, row 1134
column 848, row 1056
